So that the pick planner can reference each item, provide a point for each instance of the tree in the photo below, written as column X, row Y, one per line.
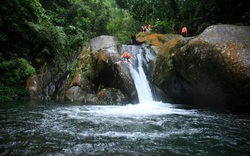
column 169, row 16
column 122, row 25
column 14, row 14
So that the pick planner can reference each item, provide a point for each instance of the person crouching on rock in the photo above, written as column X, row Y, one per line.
column 126, row 56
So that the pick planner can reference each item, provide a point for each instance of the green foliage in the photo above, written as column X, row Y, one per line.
column 166, row 26
column 73, row 68
column 15, row 71
column 46, row 41
column 84, row 65
column 14, row 14
column 170, row 64
column 122, row 25
column 8, row 93
column 87, row 65
column 140, row 10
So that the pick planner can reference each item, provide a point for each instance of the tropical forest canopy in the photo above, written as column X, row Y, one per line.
column 38, row 32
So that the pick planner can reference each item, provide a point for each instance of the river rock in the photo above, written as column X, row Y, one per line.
column 47, row 83
column 210, row 70
column 111, row 96
column 110, row 71
column 100, row 77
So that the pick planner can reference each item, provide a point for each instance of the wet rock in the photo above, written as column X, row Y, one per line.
column 210, row 70
column 77, row 94
column 110, row 71
column 101, row 71
column 111, row 96
column 46, row 82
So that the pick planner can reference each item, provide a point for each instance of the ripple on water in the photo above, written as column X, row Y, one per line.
column 127, row 130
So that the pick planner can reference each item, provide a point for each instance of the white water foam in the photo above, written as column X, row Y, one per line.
column 145, row 109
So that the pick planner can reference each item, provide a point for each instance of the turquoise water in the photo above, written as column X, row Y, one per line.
column 150, row 128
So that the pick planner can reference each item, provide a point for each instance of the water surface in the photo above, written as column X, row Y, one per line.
column 150, row 128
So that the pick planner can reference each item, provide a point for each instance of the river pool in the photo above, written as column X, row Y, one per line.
column 150, row 128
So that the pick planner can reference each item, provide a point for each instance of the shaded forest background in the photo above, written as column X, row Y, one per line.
column 38, row 32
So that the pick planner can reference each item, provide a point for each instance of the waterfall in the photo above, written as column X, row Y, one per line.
column 137, row 73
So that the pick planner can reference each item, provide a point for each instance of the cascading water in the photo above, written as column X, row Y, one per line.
column 138, row 75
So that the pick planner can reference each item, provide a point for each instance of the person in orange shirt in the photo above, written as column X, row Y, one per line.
column 126, row 56
column 184, row 31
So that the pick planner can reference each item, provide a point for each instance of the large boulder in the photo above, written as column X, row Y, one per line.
column 100, row 77
column 110, row 72
column 210, row 70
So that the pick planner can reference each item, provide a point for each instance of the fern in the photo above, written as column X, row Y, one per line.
column 60, row 36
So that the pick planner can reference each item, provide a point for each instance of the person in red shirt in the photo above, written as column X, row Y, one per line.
column 126, row 56
column 149, row 27
column 184, row 31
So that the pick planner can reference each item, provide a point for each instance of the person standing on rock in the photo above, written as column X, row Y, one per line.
column 184, row 31
column 133, row 39
column 149, row 27
column 143, row 28
column 126, row 56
